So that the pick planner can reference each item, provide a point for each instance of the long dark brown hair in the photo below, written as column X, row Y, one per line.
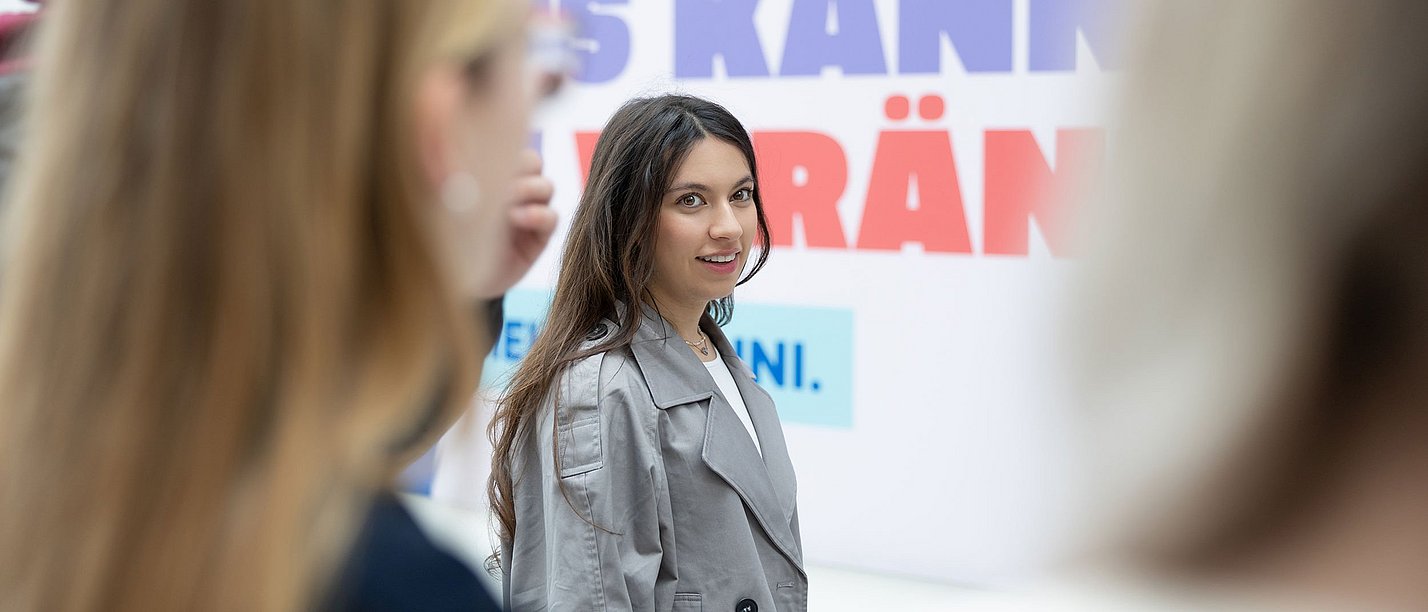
column 609, row 259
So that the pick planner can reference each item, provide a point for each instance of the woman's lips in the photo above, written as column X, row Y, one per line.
column 727, row 267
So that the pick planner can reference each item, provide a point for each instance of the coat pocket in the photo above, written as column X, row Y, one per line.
column 580, row 447
column 688, row 602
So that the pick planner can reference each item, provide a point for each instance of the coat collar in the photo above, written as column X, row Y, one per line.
column 681, row 378
column 675, row 377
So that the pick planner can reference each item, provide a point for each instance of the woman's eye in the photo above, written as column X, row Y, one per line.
column 743, row 195
column 692, row 200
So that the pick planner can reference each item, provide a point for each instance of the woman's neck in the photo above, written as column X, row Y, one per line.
column 682, row 314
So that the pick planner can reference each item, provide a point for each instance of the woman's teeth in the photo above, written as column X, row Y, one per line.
column 719, row 258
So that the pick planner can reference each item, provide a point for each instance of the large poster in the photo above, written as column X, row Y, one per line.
column 904, row 321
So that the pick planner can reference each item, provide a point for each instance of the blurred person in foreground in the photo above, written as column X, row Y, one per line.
column 244, row 244
column 1256, row 307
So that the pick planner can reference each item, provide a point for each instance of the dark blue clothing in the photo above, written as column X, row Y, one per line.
column 394, row 566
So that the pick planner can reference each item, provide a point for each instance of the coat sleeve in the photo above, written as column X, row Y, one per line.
column 608, row 534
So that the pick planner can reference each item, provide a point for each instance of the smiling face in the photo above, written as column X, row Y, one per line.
column 707, row 223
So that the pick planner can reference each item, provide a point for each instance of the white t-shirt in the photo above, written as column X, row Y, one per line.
column 725, row 380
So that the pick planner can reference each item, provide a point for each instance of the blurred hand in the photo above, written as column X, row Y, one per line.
column 532, row 223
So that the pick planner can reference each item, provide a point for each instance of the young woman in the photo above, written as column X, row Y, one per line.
column 243, row 247
column 637, row 465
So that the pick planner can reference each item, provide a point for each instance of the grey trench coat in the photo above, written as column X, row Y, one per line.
column 667, row 504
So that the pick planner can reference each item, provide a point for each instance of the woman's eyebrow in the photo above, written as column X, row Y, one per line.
column 703, row 187
column 688, row 187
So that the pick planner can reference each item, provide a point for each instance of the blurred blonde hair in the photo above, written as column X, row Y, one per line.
column 1259, row 265
column 221, row 320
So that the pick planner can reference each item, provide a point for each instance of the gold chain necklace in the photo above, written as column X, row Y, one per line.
column 702, row 344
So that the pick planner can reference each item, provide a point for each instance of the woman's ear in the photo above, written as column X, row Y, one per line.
column 440, row 92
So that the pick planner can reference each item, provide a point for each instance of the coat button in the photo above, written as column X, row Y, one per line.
column 598, row 332
column 747, row 605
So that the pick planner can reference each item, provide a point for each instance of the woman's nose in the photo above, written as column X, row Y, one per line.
column 725, row 225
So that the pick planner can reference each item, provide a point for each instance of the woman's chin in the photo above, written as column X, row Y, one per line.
column 710, row 296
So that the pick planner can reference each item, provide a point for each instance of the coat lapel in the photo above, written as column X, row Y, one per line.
column 675, row 376
column 765, row 417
